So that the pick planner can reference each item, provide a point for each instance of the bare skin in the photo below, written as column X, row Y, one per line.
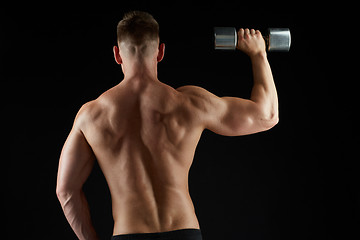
column 144, row 133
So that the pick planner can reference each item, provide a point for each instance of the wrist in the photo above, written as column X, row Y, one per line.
column 258, row 55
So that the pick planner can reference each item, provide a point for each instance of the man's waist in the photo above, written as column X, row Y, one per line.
column 154, row 217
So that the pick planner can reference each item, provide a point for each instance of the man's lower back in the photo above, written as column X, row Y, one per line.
column 163, row 211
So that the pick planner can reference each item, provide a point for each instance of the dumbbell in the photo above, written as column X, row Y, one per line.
column 277, row 40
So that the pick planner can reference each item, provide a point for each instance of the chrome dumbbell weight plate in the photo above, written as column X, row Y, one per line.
column 225, row 38
column 279, row 39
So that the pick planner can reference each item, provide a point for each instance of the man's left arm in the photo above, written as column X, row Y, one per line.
column 76, row 162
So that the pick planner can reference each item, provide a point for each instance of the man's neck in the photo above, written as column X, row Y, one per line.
column 140, row 70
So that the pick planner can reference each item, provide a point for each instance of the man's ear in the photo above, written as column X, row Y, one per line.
column 117, row 56
column 161, row 53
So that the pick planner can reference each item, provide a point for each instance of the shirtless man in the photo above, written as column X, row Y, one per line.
column 144, row 133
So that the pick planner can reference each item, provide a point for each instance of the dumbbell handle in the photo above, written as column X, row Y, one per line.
column 278, row 39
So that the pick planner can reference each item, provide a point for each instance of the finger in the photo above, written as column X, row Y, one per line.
column 257, row 32
column 252, row 32
column 241, row 33
column 247, row 32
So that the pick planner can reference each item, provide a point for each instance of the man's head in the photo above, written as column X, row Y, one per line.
column 138, row 38
column 138, row 28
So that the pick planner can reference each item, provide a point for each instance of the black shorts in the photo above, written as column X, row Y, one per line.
column 183, row 234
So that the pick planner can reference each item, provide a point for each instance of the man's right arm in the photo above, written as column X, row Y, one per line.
column 232, row 116
column 264, row 91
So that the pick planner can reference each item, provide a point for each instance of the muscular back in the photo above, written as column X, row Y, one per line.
column 144, row 134
column 144, row 137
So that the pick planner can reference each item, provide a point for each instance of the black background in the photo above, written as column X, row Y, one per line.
column 296, row 181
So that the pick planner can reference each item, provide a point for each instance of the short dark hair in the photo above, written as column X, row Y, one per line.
column 138, row 27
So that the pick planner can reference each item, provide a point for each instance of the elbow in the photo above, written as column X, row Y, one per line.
column 64, row 194
column 67, row 192
column 269, row 118
column 271, row 121
column 270, row 115
column 274, row 121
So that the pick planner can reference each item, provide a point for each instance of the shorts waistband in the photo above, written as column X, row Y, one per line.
column 191, row 234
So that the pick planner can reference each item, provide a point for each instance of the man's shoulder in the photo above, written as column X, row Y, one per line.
column 88, row 107
column 88, row 112
column 92, row 107
column 195, row 92
column 189, row 89
column 199, row 98
column 192, row 90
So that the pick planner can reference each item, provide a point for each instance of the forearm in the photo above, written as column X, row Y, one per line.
column 76, row 210
column 264, row 91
